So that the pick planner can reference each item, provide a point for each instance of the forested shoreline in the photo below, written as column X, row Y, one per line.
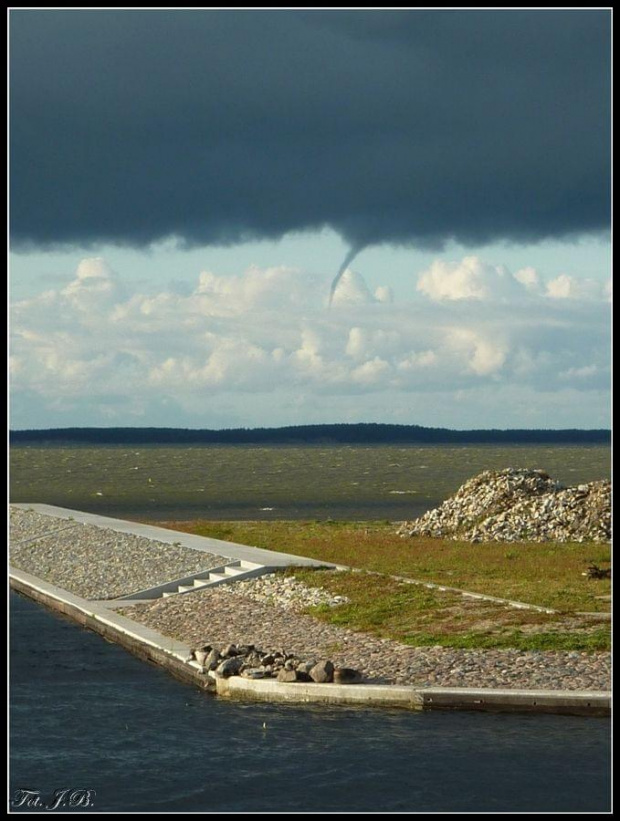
column 337, row 434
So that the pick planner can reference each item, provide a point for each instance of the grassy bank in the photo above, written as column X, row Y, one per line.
column 547, row 575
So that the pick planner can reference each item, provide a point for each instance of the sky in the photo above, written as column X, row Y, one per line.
column 260, row 218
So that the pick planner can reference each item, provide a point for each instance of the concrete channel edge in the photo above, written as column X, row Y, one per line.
column 172, row 655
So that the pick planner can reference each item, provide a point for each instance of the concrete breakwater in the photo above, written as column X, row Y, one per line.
column 519, row 505
column 175, row 657
column 165, row 631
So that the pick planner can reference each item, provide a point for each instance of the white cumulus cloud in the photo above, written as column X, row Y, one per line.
column 529, row 278
column 568, row 287
column 94, row 285
column 471, row 278
column 267, row 332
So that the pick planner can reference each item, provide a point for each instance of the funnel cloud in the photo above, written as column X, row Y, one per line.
column 222, row 126
column 345, row 264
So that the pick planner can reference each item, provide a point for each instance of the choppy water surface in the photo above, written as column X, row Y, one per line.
column 314, row 482
column 86, row 715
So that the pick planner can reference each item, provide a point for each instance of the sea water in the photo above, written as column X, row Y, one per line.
column 94, row 729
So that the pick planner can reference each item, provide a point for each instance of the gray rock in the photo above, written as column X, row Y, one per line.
column 253, row 659
column 200, row 656
column 229, row 651
column 303, row 676
column 212, row 660
column 595, row 572
column 322, row 672
column 230, row 666
column 346, row 675
column 252, row 672
column 287, row 675
column 305, row 666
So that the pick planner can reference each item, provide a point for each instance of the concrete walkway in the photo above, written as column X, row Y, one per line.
column 205, row 544
column 271, row 560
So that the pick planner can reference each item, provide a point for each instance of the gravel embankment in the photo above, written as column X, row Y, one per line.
column 99, row 563
column 26, row 525
column 224, row 615
column 285, row 592
column 96, row 562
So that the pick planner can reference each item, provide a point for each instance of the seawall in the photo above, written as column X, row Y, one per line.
column 172, row 655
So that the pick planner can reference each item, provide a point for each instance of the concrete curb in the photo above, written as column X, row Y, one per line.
column 443, row 698
column 149, row 645
column 376, row 695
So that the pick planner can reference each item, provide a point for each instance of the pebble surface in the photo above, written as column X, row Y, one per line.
column 95, row 562
column 283, row 591
column 254, row 615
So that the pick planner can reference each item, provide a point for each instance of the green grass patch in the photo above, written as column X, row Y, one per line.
column 598, row 640
column 545, row 574
column 418, row 616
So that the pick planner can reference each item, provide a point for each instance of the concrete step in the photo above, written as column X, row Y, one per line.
column 234, row 570
column 219, row 577
column 235, row 573
column 243, row 564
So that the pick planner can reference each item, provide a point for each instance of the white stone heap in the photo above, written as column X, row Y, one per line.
column 519, row 505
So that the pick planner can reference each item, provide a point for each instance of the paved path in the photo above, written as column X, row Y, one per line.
column 161, row 534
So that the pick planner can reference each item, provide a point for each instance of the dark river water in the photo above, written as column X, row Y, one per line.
column 96, row 730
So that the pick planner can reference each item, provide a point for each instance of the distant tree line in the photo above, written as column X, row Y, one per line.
column 340, row 434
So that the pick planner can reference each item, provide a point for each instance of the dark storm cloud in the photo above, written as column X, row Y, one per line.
column 218, row 126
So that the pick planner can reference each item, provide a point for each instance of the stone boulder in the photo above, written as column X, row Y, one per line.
column 346, row 675
column 252, row 663
column 322, row 672
column 229, row 667
column 287, row 675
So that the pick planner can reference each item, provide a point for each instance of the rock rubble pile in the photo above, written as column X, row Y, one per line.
column 285, row 591
column 519, row 505
column 250, row 662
